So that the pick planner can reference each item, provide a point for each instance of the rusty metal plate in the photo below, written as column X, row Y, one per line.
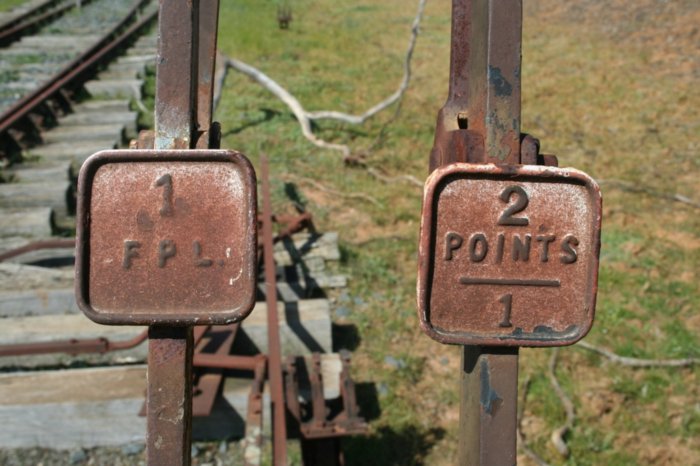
column 508, row 255
column 166, row 237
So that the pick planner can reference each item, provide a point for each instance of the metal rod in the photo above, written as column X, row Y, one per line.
column 480, row 123
column 73, row 346
column 254, row 416
column 279, row 428
column 217, row 361
column 488, row 409
column 38, row 245
column 489, row 393
column 176, row 73
column 494, row 106
column 206, row 58
column 169, row 394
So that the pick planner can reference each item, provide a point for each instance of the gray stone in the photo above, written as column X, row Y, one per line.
column 35, row 222
column 20, row 195
column 133, row 449
column 110, row 131
column 342, row 312
column 111, row 88
column 77, row 457
column 394, row 363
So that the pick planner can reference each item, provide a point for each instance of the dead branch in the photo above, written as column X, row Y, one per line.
column 632, row 188
column 522, row 441
column 289, row 100
column 359, row 158
column 304, row 117
column 320, row 187
column 393, row 179
column 636, row 362
column 393, row 98
column 557, row 436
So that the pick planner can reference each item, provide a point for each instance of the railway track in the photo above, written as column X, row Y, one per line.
column 66, row 94
column 30, row 16
column 67, row 98
column 68, row 91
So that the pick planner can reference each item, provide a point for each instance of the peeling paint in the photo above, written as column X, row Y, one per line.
column 500, row 84
column 490, row 400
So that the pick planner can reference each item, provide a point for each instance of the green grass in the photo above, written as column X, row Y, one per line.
column 601, row 105
column 6, row 5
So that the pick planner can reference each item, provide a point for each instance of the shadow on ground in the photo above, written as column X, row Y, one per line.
column 389, row 447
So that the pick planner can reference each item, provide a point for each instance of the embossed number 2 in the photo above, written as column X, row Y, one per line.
column 520, row 204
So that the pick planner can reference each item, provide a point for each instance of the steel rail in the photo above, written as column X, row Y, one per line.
column 28, row 14
column 76, row 69
column 104, row 345
column 17, row 29
column 73, row 346
column 279, row 427
column 36, row 246
column 218, row 361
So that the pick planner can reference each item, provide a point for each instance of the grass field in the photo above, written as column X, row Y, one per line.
column 6, row 5
column 611, row 88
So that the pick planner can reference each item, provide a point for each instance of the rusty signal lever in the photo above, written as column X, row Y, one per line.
column 509, row 244
column 167, row 236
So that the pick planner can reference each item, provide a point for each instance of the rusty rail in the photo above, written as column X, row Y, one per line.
column 254, row 417
column 32, row 19
column 37, row 246
column 38, row 9
column 279, row 432
column 74, row 72
column 73, row 346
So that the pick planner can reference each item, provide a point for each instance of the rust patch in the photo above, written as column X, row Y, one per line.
column 517, row 268
column 166, row 237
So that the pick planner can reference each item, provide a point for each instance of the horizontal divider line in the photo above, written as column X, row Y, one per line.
column 509, row 282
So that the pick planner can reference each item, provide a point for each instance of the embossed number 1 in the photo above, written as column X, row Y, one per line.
column 166, row 181
column 507, row 301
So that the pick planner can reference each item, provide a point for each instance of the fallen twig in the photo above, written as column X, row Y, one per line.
column 392, row 179
column 636, row 362
column 630, row 187
column 396, row 96
column 522, row 441
column 558, row 434
column 304, row 117
column 288, row 99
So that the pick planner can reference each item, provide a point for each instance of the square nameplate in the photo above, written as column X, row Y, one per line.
column 166, row 237
column 508, row 255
